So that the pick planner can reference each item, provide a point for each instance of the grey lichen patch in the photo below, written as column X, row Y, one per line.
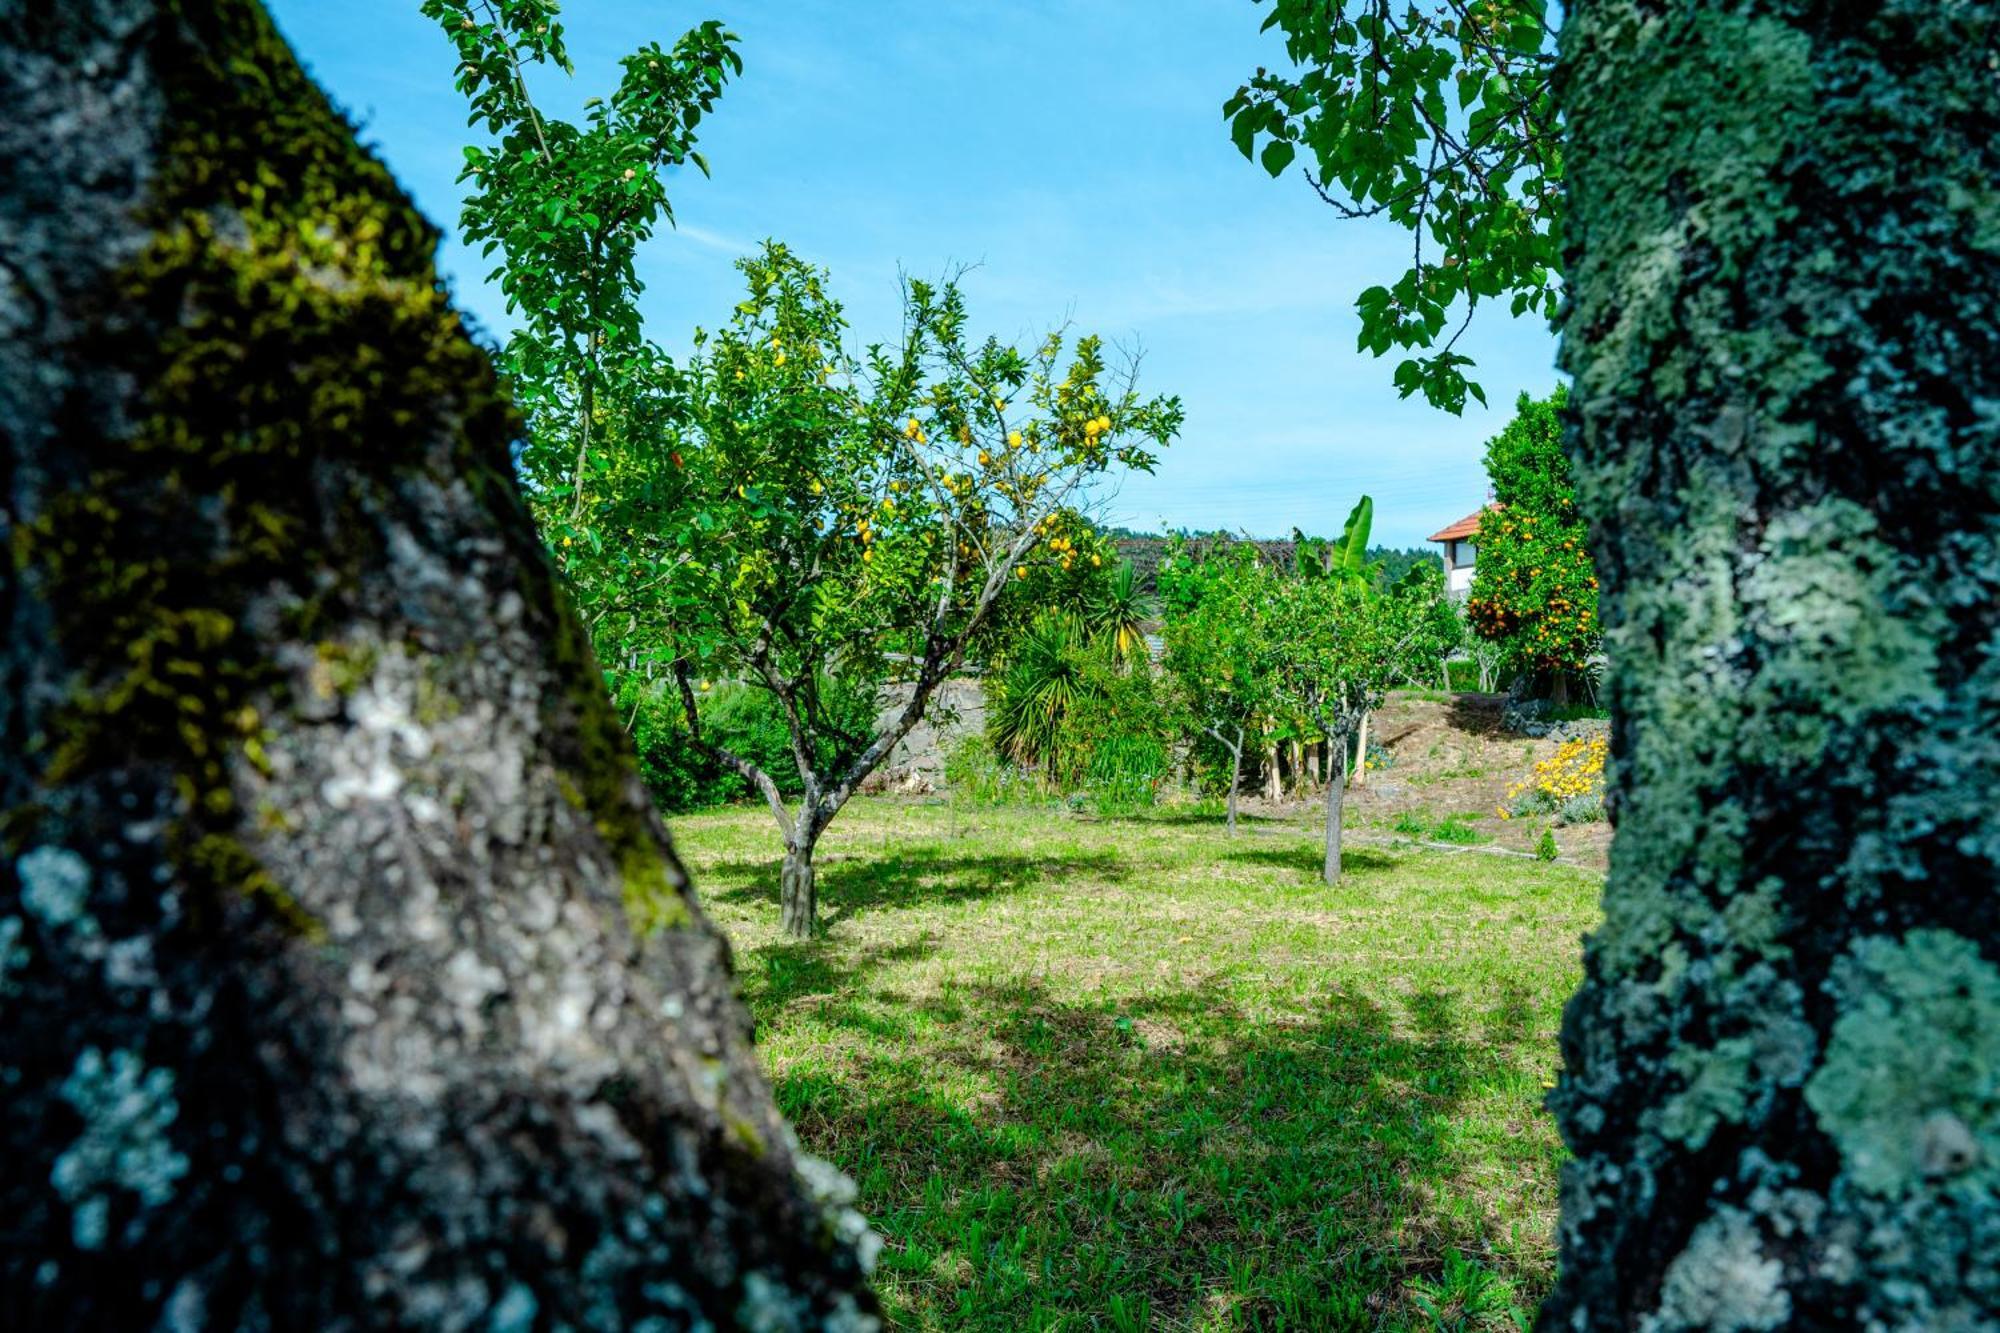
column 1839, row 642
column 1724, row 1081
column 769, row 1306
column 13, row 953
column 1910, row 1087
column 835, row 1192
column 55, row 887
column 127, row 1110
column 1723, row 1282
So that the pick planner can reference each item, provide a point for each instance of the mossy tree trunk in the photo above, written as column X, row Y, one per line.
column 1784, row 257
column 322, row 1005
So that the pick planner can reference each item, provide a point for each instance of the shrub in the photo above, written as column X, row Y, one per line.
column 1452, row 829
column 1125, row 772
column 1569, row 784
column 975, row 775
column 678, row 775
column 1069, row 706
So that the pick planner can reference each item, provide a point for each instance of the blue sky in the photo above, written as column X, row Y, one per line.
column 1074, row 150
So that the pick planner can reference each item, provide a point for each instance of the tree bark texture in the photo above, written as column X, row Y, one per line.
column 1235, row 781
column 798, row 899
column 1336, row 796
column 1784, row 256
column 317, row 836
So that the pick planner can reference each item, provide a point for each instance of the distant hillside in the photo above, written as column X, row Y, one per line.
column 1144, row 549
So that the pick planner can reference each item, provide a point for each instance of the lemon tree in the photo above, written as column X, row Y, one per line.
column 812, row 512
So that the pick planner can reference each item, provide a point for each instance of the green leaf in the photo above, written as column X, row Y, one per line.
column 1243, row 130
column 1277, row 156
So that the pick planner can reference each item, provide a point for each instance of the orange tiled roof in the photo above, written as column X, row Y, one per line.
column 1459, row 531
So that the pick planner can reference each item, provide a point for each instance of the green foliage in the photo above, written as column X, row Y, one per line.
column 1455, row 829
column 678, row 774
column 1117, row 611
column 1466, row 1295
column 1126, row 767
column 1065, row 705
column 1045, row 673
column 566, row 206
column 743, row 719
column 1545, row 847
column 1534, row 588
column 1222, row 647
column 1426, row 625
column 1445, row 121
column 974, row 775
column 1256, row 654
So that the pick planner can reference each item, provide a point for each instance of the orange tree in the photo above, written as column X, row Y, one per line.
column 1534, row 589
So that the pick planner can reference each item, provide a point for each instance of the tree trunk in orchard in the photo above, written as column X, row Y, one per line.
column 1336, row 795
column 1784, row 258
column 1299, row 768
column 1361, row 754
column 317, row 835
column 798, row 897
column 1235, row 779
column 1273, row 792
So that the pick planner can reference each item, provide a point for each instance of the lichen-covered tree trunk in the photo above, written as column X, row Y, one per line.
column 319, row 1003
column 1784, row 255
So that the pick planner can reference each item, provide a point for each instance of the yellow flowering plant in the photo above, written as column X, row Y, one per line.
column 1569, row 784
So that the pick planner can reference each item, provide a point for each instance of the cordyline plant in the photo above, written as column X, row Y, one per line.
column 814, row 513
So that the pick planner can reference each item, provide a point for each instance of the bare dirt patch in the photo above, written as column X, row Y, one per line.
column 1451, row 757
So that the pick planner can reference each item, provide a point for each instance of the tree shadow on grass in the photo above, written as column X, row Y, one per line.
column 913, row 875
column 1307, row 859
column 1173, row 1161
column 1182, row 817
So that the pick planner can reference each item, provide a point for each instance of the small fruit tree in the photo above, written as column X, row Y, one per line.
column 811, row 513
column 1222, row 647
column 1341, row 643
column 1534, row 589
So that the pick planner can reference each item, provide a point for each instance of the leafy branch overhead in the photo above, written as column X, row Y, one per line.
column 1446, row 123
column 566, row 206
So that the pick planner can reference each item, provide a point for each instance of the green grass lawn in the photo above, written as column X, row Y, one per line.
column 1131, row 1074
